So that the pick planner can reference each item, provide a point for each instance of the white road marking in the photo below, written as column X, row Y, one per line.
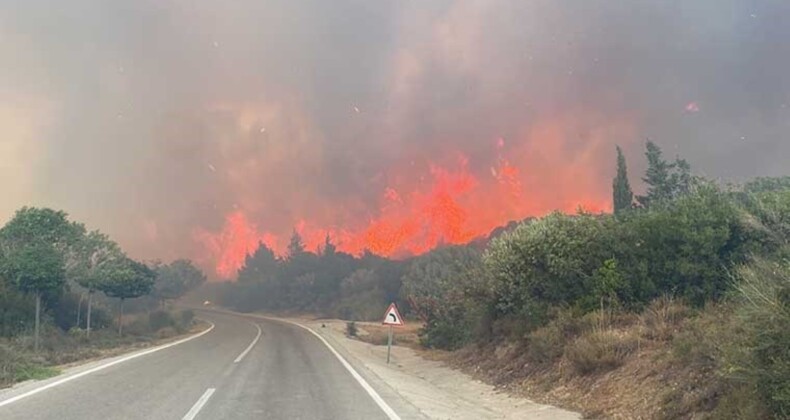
column 102, row 367
column 247, row 350
column 198, row 405
column 391, row 414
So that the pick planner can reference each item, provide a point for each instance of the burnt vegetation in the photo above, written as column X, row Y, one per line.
column 692, row 274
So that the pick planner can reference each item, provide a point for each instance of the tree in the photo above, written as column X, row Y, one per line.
column 128, row 279
column 623, row 197
column 97, row 257
column 177, row 278
column 37, row 269
column 39, row 247
column 295, row 246
column 14, row 307
column 665, row 181
column 682, row 180
column 260, row 266
column 329, row 248
column 657, row 177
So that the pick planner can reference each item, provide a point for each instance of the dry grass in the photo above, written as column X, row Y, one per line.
column 600, row 351
column 661, row 320
column 377, row 334
column 610, row 365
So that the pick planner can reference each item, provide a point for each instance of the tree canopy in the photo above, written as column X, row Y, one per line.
column 177, row 278
column 128, row 279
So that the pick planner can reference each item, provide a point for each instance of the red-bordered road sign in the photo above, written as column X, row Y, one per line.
column 392, row 316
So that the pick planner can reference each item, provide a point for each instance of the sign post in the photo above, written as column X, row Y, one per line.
column 391, row 318
column 389, row 345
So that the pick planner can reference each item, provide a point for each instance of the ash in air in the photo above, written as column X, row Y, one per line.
column 197, row 129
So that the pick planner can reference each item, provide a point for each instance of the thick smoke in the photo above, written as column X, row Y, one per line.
column 197, row 128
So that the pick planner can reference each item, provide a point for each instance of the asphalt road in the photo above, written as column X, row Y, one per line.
column 227, row 373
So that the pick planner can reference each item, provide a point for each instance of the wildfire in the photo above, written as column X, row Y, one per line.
column 230, row 247
column 450, row 205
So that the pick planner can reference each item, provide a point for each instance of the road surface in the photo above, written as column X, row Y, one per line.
column 244, row 368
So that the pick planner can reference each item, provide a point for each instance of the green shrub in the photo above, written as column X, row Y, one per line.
column 34, row 371
column 547, row 262
column 764, row 308
column 445, row 333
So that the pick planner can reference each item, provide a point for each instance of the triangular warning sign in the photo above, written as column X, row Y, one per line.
column 392, row 316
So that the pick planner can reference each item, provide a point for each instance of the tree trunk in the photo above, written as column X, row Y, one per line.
column 38, row 321
column 120, row 319
column 88, row 317
column 79, row 309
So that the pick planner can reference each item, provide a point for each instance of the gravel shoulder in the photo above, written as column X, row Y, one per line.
column 436, row 390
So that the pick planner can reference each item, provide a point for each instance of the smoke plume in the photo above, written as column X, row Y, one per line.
column 197, row 129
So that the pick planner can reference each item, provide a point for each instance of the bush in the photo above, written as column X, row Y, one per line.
column 545, row 344
column 160, row 319
column 166, row 332
column 447, row 332
column 599, row 351
column 684, row 247
column 764, row 308
column 547, row 262
column 10, row 362
column 351, row 329
column 186, row 318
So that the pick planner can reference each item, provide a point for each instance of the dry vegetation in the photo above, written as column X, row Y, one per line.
column 62, row 349
column 375, row 333
column 663, row 363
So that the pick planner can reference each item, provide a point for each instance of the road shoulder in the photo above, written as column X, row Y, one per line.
column 432, row 388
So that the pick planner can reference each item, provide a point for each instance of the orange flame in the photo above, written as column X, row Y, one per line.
column 448, row 204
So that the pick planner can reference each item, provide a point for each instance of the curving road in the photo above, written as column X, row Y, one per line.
column 244, row 368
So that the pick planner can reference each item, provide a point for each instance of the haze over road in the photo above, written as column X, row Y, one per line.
column 287, row 373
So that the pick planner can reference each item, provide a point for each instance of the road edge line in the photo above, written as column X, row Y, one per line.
column 254, row 341
column 193, row 412
column 102, row 367
column 391, row 414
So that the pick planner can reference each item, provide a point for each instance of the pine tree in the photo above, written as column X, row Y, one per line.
column 329, row 248
column 623, row 197
column 295, row 246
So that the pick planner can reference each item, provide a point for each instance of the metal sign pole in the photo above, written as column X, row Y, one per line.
column 389, row 345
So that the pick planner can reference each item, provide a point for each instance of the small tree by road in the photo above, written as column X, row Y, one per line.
column 175, row 279
column 97, row 257
column 37, row 246
column 36, row 269
column 128, row 279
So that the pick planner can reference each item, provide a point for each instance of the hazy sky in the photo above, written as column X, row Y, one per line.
column 157, row 120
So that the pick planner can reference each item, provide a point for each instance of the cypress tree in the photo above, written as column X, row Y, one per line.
column 623, row 197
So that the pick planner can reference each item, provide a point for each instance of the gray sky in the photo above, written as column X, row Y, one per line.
column 158, row 121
